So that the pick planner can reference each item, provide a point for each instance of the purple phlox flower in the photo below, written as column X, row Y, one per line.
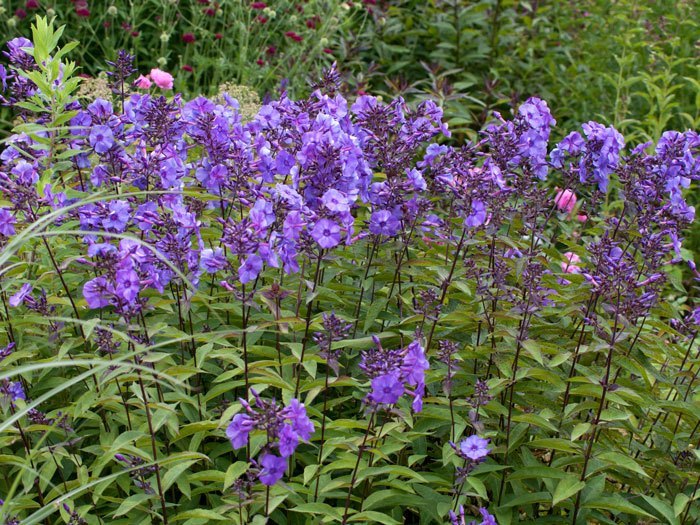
column 26, row 173
column 414, row 364
column 262, row 214
column 572, row 145
column 7, row 351
column 477, row 216
column 284, row 162
column 383, row 222
column 301, row 424
column 101, row 139
column 273, row 469
column 118, row 215
column 293, row 225
column 97, row 292
column 100, row 110
column 146, row 216
column 326, row 233
column 238, row 430
column 431, row 153
column 488, row 519
column 250, row 269
column 416, row 179
column 335, row 201
column 602, row 153
column 7, row 221
column 211, row 261
column 128, row 285
column 474, row 447
column 387, row 389
column 14, row 390
column 288, row 441
column 18, row 298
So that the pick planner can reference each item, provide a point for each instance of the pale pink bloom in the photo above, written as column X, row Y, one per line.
column 582, row 218
column 161, row 79
column 570, row 261
column 143, row 82
column 565, row 200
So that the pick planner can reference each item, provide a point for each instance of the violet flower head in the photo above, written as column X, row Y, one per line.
column 7, row 221
column 118, row 215
column 273, row 469
column 326, row 233
column 238, row 430
column 250, row 269
column 18, row 298
column 301, row 424
column 386, row 389
column 101, row 139
column 383, row 222
column 474, row 447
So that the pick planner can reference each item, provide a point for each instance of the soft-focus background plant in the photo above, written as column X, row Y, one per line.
column 460, row 333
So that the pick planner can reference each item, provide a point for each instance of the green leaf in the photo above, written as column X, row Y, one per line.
column 174, row 472
column 374, row 517
column 680, row 503
column 620, row 460
column 199, row 514
column 663, row 508
column 616, row 503
column 566, row 488
column 317, row 508
column 234, row 472
column 579, row 430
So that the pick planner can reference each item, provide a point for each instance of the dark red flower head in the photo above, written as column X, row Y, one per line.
column 21, row 13
column 188, row 38
column 260, row 62
column 82, row 12
column 258, row 5
column 32, row 4
column 293, row 36
column 187, row 68
column 218, row 36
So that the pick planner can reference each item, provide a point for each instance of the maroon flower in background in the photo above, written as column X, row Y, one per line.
column 261, row 19
column 187, row 68
column 218, row 36
column 260, row 62
column 272, row 50
column 293, row 36
column 188, row 38
column 21, row 13
column 258, row 5
column 32, row 4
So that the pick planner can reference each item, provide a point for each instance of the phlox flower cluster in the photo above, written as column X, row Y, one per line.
column 394, row 373
column 284, row 428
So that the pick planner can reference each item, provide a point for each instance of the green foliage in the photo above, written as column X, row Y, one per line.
column 560, row 441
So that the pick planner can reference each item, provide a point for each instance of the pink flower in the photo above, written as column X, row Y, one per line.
column 161, row 79
column 187, row 68
column 565, row 200
column 582, row 218
column 570, row 261
column 143, row 82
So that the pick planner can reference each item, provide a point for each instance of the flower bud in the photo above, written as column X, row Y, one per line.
column 162, row 61
column 112, row 10
column 164, row 37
